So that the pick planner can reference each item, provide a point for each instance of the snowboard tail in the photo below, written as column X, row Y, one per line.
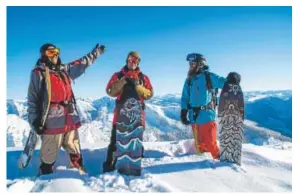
column 32, row 140
column 129, row 137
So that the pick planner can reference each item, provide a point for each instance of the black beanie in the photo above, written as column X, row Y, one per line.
column 44, row 47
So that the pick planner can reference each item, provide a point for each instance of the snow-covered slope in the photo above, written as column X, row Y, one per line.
column 170, row 162
column 167, row 167
column 272, row 110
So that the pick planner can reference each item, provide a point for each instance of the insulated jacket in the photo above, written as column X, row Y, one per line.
column 50, row 97
column 117, row 82
column 197, row 95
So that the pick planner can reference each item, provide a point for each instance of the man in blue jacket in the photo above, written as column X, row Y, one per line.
column 199, row 101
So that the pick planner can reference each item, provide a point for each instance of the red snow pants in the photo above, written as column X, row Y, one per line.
column 205, row 138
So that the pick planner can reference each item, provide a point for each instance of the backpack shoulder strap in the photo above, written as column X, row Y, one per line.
column 189, row 80
column 141, row 77
column 120, row 74
column 208, row 80
column 210, row 89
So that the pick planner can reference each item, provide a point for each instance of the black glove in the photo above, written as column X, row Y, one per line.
column 101, row 49
column 132, row 82
column 184, row 119
column 234, row 78
column 39, row 130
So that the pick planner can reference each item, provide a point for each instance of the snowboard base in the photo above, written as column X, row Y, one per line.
column 29, row 148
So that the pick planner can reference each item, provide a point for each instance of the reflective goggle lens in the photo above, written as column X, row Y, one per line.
column 52, row 52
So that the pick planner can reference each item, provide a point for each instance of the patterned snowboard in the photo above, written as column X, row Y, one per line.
column 129, row 134
column 231, row 113
column 28, row 151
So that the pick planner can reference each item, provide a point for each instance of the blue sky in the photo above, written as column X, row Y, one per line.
column 254, row 41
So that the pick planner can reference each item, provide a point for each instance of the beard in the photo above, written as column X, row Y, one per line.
column 193, row 71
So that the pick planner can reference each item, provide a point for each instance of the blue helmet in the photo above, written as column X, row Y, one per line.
column 197, row 58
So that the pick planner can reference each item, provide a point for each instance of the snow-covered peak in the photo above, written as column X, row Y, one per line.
column 256, row 95
column 17, row 107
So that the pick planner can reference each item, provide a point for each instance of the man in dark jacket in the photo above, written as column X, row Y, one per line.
column 52, row 110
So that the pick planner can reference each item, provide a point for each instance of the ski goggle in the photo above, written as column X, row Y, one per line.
column 197, row 59
column 133, row 59
column 52, row 52
column 191, row 57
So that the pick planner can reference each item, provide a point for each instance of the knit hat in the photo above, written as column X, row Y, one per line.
column 46, row 46
column 135, row 54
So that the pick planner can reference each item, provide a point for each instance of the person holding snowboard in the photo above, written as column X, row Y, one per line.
column 52, row 109
column 198, row 102
column 122, row 86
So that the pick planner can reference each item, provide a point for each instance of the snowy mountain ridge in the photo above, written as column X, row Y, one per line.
column 272, row 110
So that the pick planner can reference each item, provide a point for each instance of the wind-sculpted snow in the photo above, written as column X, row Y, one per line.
column 166, row 167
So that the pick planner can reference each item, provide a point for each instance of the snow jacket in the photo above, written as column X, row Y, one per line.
column 117, row 82
column 196, row 94
column 51, row 103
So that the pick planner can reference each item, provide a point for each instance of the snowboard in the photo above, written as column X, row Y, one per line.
column 28, row 151
column 231, row 121
column 129, row 133
column 33, row 138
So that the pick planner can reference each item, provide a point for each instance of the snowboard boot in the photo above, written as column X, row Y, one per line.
column 82, row 170
column 108, row 167
column 45, row 168
column 130, row 172
column 109, row 164
column 76, row 161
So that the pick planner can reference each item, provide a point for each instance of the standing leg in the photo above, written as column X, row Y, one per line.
column 109, row 164
column 71, row 143
column 50, row 147
column 198, row 139
column 209, row 131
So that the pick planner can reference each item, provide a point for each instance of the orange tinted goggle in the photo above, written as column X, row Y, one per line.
column 52, row 52
column 133, row 59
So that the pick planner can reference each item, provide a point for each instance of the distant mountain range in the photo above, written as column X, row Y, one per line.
column 271, row 110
